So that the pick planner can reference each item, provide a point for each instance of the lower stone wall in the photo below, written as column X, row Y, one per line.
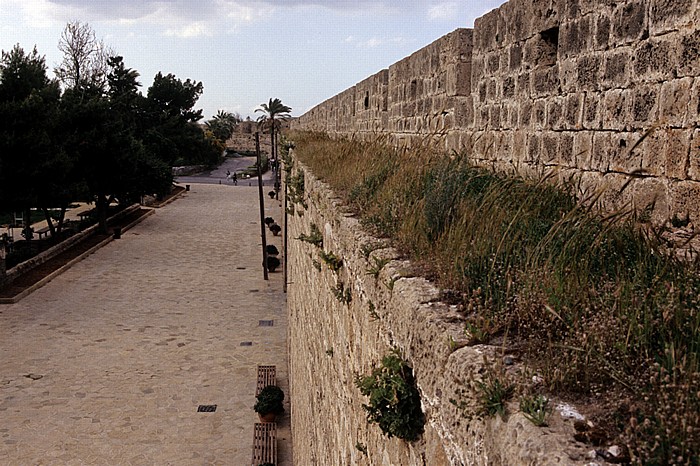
column 333, row 341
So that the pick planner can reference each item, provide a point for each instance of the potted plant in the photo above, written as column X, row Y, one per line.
column 269, row 403
column 272, row 263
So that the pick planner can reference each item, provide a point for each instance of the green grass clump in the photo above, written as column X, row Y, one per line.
column 597, row 302
column 493, row 394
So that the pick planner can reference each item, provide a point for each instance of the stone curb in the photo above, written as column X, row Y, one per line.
column 70, row 264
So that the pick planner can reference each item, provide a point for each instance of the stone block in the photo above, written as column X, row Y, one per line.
column 565, row 149
column 515, row 57
column 512, row 115
column 616, row 69
column 583, row 149
column 616, row 108
column 644, row 105
column 653, row 153
column 689, row 63
column 666, row 15
column 674, row 102
column 573, row 114
column 464, row 112
column 600, row 155
column 592, row 110
column 555, row 113
column 694, row 105
column 544, row 15
column 519, row 147
column 648, row 192
column 602, row 31
column 656, row 59
column 483, row 116
column 525, row 113
column 568, row 9
column 622, row 158
column 685, row 199
column 532, row 156
column 483, row 146
column 491, row 86
column 539, row 114
column 493, row 63
column 515, row 12
column 522, row 86
column 458, row 79
column 694, row 157
column 629, row 22
column 545, row 81
column 588, row 71
column 495, row 116
column 481, row 91
column 568, row 76
column 478, row 69
column 677, row 152
column 485, row 31
column 508, row 91
column 575, row 37
column 618, row 195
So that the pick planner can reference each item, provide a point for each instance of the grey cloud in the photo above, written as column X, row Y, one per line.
column 187, row 9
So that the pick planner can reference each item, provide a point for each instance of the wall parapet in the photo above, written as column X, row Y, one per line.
column 333, row 340
column 608, row 92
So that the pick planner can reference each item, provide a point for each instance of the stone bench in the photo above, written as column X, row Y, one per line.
column 266, row 376
column 43, row 231
column 264, row 443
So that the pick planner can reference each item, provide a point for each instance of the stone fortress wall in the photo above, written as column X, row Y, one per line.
column 606, row 92
column 341, row 324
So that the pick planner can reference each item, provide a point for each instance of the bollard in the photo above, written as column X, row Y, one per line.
column 117, row 232
column 187, row 187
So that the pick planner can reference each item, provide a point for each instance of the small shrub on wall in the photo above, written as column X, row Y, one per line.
column 394, row 401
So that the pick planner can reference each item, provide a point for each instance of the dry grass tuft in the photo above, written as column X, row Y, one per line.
column 596, row 301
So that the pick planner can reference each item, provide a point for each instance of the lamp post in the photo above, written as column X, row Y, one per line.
column 262, row 205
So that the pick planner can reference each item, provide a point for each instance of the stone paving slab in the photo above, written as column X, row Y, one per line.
column 108, row 363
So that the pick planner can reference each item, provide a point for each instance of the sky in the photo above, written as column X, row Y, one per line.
column 246, row 51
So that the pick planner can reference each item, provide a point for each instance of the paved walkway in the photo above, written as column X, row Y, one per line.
column 108, row 363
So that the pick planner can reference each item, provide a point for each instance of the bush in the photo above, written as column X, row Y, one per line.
column 272, row 263
column 269, row 400
column 394, row 401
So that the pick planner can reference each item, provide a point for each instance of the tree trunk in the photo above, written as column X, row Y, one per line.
column 49, row 221
column 101, row 205
column 3, row 265
column 27, row 231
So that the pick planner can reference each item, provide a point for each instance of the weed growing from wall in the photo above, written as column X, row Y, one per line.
column 333, row 262
column 314, row 237
column 394, row 401
column 535, row 408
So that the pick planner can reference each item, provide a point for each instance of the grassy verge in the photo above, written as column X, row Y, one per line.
column 596, row 303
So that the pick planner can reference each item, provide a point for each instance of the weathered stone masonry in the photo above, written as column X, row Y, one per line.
column 332, row 340
column 569, row 86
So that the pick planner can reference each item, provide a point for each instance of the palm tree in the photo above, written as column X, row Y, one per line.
column 273, row 111
column 223, row 124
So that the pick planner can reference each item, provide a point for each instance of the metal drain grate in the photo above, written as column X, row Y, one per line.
column 206, row 408
column 266, row 323
column 246, row 343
